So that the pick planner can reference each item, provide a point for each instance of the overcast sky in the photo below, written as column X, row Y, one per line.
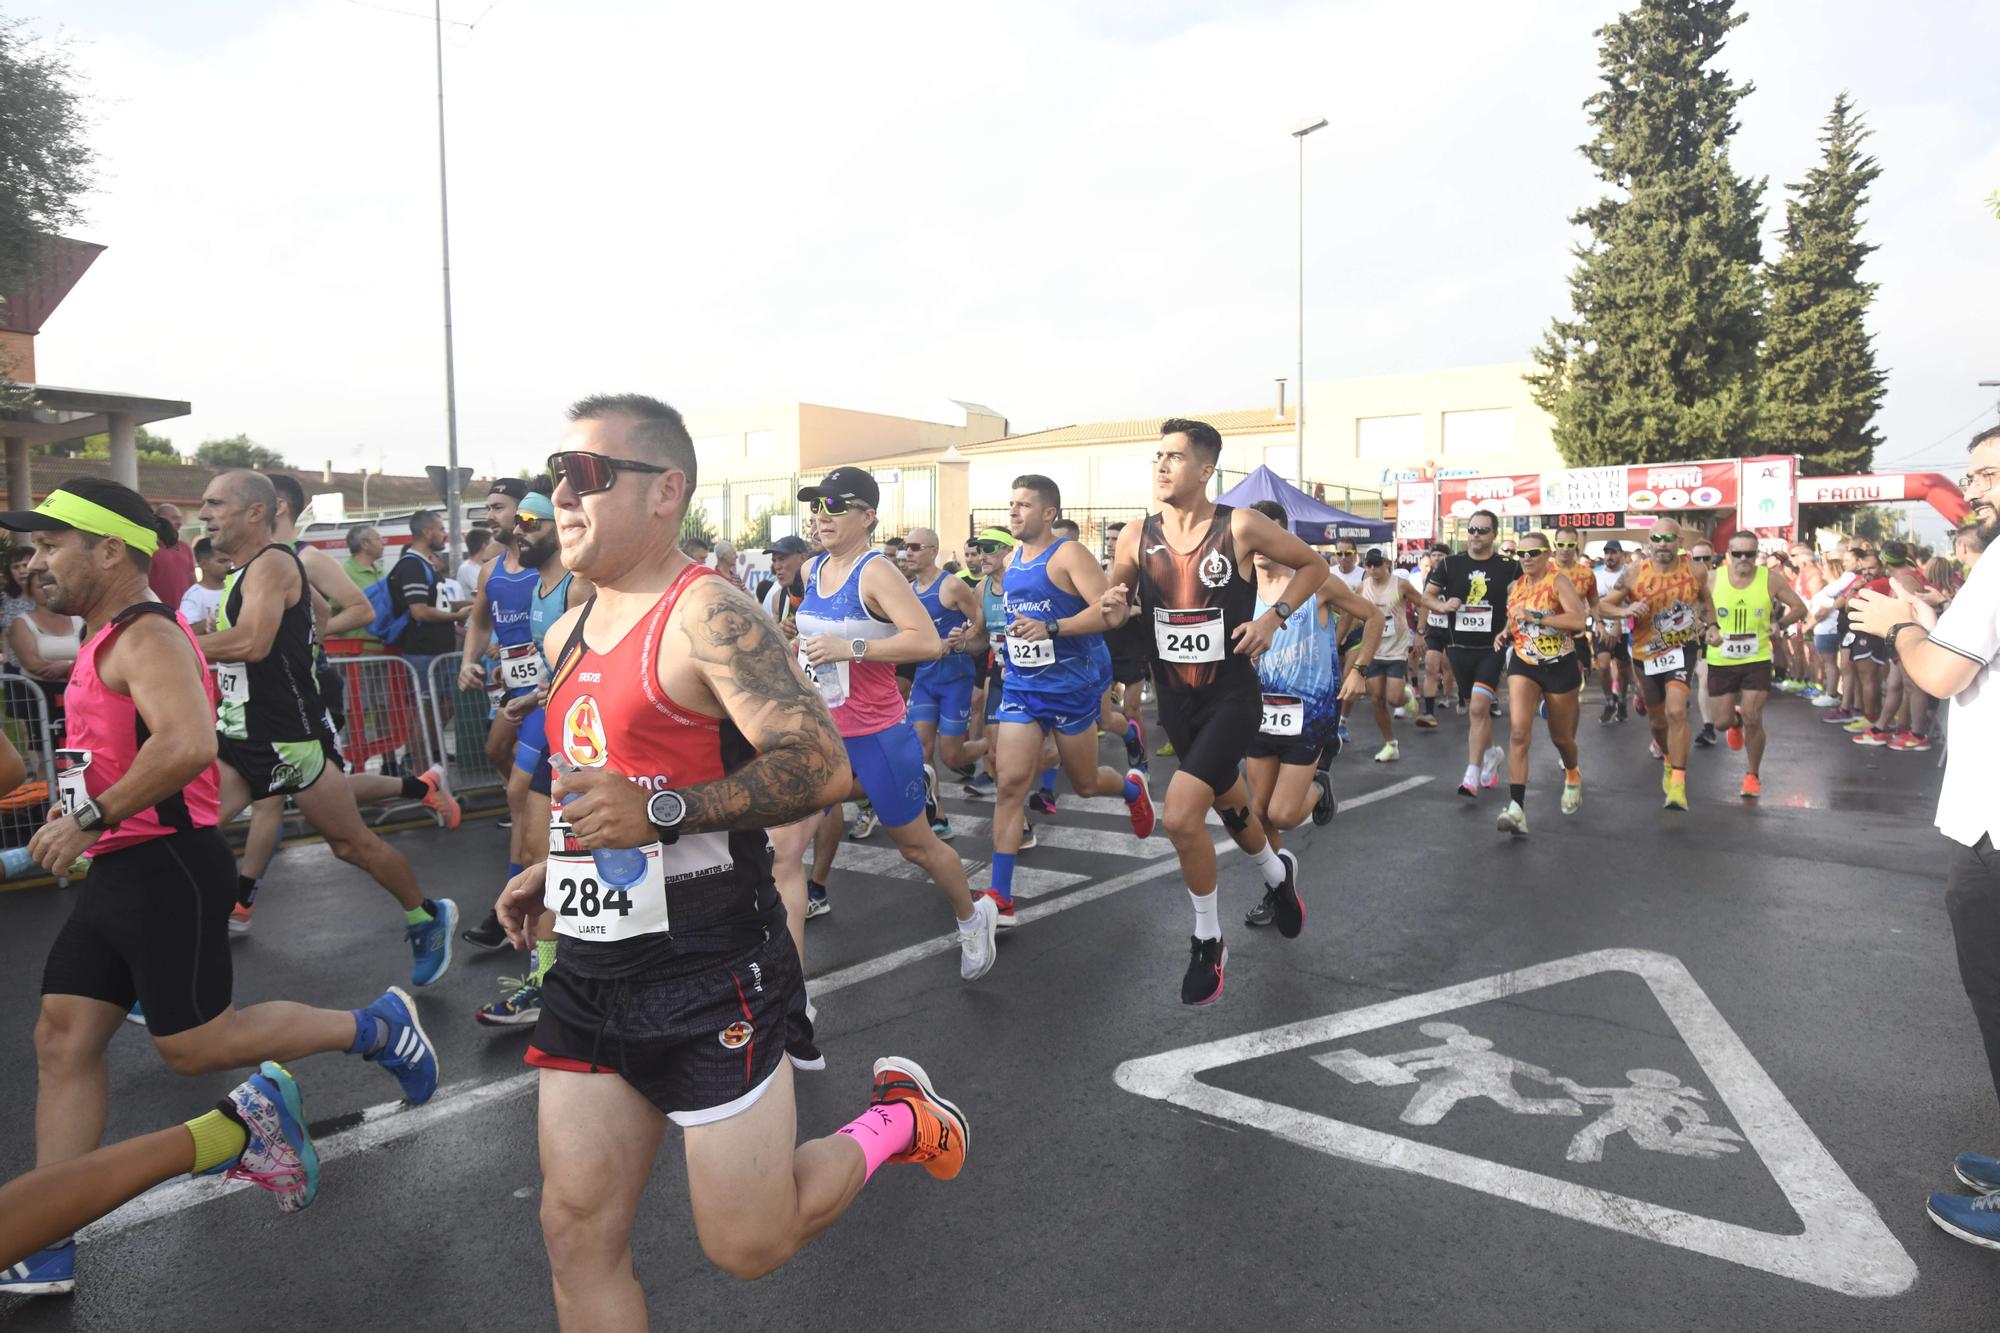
column 1067, row 212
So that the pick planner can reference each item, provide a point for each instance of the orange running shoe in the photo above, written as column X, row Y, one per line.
column 1752, row 788
column 1142, row 809
column 439, row 798
column 943, row 1136
column 239, row 920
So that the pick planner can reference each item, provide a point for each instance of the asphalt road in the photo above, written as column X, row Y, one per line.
column 1700, row 1072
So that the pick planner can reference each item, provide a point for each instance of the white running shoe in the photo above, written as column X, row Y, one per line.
column 977, row 948
column 1513, row 820
column 1489, row 765
column 1572, row 796
column 1389, row 753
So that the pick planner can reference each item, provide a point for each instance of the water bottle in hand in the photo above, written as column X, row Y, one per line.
column 617, row 867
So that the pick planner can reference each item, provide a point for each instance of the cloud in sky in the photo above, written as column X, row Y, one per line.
column 1067, row 212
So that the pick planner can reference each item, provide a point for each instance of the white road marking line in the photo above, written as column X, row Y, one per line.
column 380, row 1124
column 389, row 1121
column 1844, row 1246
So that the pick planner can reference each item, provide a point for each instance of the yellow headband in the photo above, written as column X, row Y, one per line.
column 91, row 517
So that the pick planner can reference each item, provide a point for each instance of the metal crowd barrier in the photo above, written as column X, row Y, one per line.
column 462, row 721
column 381, row 716
column 33, row 731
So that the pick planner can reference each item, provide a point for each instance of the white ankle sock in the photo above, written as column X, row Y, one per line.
column 1273, row 868
column 1471, row 775
column 1208, row 914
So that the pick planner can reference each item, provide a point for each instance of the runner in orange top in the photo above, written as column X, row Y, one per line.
column 1672, row 617
column 1544, row 614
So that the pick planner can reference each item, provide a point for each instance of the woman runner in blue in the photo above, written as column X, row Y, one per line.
column 1303, row 684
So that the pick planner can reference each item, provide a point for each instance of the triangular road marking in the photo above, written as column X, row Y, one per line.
column 1845, row 1245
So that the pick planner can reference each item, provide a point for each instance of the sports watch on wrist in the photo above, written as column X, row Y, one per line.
column 89, row 819
column 858, row 648
column 664, row 811
column 1282, row 610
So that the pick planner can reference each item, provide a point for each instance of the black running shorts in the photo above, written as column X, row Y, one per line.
column 151, row 924
column 1210, row 730
column 1558, row 677
column 274, row 767
column 701, row 1043
column 1436, row 640
column 1475, row 666
column 1654, row 687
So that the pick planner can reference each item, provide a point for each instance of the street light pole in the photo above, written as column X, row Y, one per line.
column 1299, row 132
column 453, row 505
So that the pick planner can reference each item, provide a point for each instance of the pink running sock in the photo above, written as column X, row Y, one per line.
column 882, row 1131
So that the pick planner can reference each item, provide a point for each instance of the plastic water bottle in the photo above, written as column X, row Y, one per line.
column 617, row 867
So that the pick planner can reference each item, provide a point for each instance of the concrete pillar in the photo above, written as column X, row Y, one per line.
column 124, row 450
column 20, row 488
column 954, row 506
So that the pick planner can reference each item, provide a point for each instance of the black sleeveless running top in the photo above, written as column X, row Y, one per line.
column 284, row 702
column 1205, row 578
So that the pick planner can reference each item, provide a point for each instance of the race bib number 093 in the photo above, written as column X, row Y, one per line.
column 1475, row 619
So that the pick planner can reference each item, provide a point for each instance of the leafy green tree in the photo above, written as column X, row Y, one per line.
column 46, row 163
column 1658, row 360
column 696, row 523
column 756, row 533
column 1819, row 385
column 237, row 451
column 151, row 448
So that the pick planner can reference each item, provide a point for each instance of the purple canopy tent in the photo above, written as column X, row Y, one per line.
column 1314, row 521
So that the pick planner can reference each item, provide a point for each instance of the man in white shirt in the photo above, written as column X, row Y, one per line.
column 200, row 602
column 1953, row 657
column 466, row 576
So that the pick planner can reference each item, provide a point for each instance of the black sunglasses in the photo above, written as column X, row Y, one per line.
column 1701, row 559
column 1480, row 532
column 589, row 473
column 832, row 504
column 1742, row 555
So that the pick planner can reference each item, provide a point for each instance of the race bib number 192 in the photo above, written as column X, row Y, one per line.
column 1671, row 660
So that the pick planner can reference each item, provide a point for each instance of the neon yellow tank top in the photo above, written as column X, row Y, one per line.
column 1744, row 615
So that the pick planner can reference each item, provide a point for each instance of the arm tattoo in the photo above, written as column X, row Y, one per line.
column 800, row 757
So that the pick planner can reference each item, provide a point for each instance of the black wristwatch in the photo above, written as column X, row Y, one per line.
column 1899, row 627
column 665, row 811
column 1282, row 611
column 1055, row 629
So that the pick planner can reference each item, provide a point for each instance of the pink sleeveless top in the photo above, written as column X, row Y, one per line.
column 107, row 730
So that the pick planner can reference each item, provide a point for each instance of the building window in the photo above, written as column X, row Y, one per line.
column 1487, row 431
column 1283, row 459
column 714, row 449
column 1389, row 437
column 760, row 446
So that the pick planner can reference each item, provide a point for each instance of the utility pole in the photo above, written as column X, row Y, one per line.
column 452, row 505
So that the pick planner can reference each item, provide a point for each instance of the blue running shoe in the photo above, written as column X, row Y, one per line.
column 135, row 1014
column 430, row 943
column 1977, row 1172
column 981, row 784
column 522, row 1005
column 50, row 1272
column 279, row 1155
column 1976, row 1221
column 1341, row 731
column 407, row 1053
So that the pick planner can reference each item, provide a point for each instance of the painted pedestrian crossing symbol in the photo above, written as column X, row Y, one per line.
column 1655, row 1115
column 1655, row 1110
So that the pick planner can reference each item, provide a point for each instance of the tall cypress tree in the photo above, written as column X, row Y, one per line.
column 1820, row 386
column 1658, row 361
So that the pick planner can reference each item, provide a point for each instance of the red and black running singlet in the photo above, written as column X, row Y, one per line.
column 607, row 709
column 1191, row 603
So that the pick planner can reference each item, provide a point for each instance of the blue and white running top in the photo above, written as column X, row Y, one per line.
column 547, row 608
column 1303, row 663
column 507, row 598
column 1069, row 666
column 952, row 666
column 861, row 695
